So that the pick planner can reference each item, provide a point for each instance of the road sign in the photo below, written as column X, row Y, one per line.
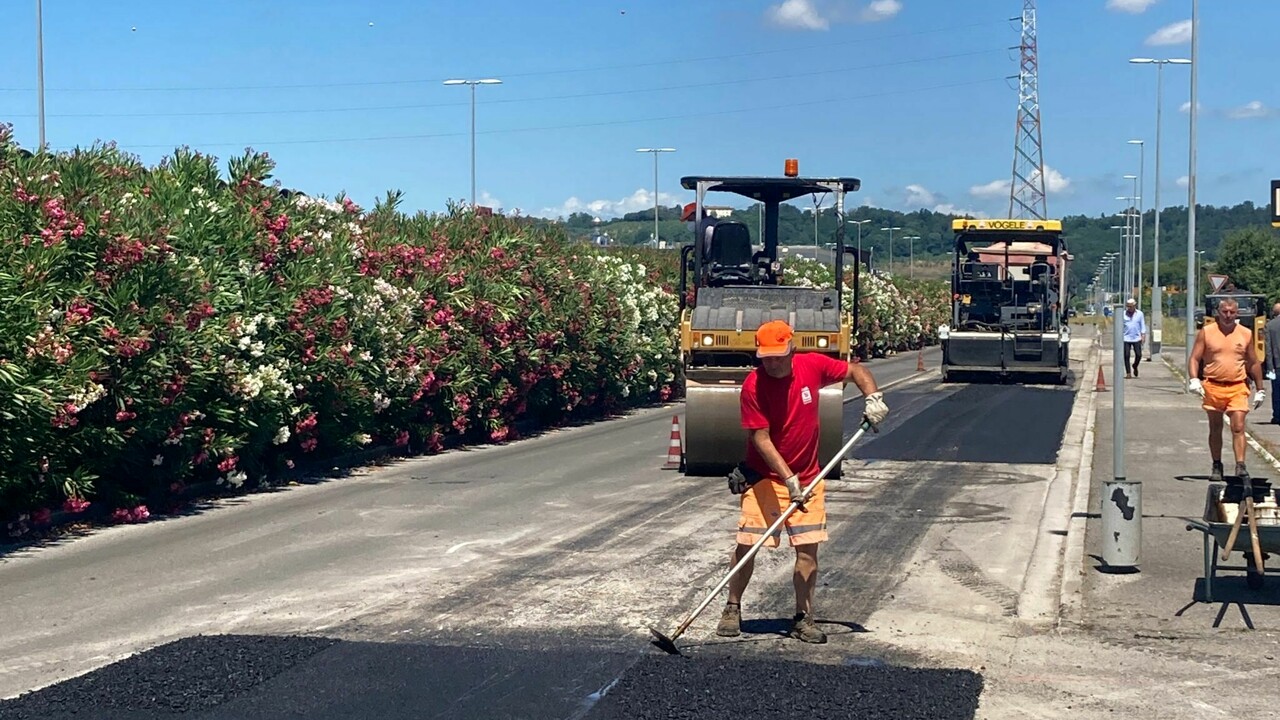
column 1217, row 281
column 1275, row 203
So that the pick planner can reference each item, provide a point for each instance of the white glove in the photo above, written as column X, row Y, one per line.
column 875, row 411
column 1258, row 397
column 1195, row 387
column 793, row 487
column 1271, row 374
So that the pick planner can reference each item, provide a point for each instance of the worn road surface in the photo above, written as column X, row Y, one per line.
column 520, row 580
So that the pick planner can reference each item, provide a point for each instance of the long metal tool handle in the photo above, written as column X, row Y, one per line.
column 772, row 528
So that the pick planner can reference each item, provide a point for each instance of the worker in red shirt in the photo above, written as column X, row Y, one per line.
column 779, row 406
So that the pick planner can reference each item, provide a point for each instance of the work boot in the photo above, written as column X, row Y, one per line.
column 1216, row 475
column 806, row 630
column 1241, row 472
column 730, row 624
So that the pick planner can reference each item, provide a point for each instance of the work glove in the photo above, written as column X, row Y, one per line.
column 875, row 411
column 1195, row 387
column 1258, row 397
column 741, row 478
column 794, row 489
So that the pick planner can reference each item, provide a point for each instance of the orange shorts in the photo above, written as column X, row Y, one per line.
column 763, row 502
column 1226, row 397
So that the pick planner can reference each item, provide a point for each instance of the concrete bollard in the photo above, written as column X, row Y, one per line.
column 1121, row 523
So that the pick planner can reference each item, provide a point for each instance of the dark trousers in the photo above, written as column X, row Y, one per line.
column 1275, row 401
column 1135, row 348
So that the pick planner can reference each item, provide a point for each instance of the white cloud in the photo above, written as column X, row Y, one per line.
column 919, row 196
column 1178, row 33
column 1054, row 182
column 1184, row 181
column 636, row 201
column 1254, row 109
column 1136, row 7
column 822, row 14
column 953, row 209
column 881, row 10
column 797, row 14
column 489, row 201
column 995, row 188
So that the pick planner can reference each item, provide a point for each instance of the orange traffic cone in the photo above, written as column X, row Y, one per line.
column 1101, row 385
column 920, row 361
column 676, row 448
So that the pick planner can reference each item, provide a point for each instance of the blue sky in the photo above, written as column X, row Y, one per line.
column 912, row 96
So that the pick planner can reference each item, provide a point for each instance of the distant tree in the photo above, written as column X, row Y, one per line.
column 1251, row 258
column 580, row 220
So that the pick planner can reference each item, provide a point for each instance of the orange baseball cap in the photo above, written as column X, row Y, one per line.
column 689, row 212
column 773, row 339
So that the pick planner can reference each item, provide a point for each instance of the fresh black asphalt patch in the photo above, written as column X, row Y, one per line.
column 725, row 688
column 977, row 423
column 251, row 677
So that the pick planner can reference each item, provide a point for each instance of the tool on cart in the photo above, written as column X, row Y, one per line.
column 1245, row 506
column 1224, row 511
column 668, row 643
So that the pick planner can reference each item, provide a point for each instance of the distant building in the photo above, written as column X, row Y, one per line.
column 718, row 211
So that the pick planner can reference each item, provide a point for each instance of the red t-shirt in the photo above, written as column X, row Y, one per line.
column 789, row 408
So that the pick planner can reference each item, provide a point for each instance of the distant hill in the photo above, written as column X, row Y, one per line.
column 1088, row 238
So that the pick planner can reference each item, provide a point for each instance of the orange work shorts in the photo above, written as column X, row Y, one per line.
column 763, row 502
column 1226, row 397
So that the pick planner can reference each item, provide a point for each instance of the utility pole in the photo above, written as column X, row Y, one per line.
column 473, row 84
column 655, row 152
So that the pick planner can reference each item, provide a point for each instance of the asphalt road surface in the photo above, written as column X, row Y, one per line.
column 520, row 580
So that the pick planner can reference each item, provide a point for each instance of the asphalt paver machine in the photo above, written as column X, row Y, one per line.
column 1008, row 307
column 729, row 286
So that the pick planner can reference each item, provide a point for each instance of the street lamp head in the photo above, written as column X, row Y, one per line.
column 485, row 81
column 1136, row 142
column 455, row 82
column 1178, row 61
column 1129, row 177
column 1142, row 61
column 490, row 81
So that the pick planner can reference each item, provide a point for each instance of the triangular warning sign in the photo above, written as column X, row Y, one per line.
column 1217, row 281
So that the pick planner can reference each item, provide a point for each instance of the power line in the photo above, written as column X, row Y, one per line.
column 537, row 73
column 574, row 96
column 606, row 123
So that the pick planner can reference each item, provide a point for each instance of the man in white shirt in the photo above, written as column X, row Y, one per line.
column 1135, row 334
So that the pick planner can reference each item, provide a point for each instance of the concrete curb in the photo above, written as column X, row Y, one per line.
column 1040, row 600
column 1071, row 592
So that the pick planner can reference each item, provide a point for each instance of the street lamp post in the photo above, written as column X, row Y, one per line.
column 40, row 67
column 1142, row 172
column 656, row 152
column 1157, row 316
column 473, row 84
column 912, row 262
column 859, row 223
column 1191, row 182
column 1199, row 263
column 890, row 229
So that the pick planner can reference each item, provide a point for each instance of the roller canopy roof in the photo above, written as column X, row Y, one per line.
column 771, row 189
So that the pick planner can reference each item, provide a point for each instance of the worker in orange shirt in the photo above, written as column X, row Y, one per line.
column 1225, row 350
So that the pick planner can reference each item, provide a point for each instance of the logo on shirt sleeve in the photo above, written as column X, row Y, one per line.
column 805, row 395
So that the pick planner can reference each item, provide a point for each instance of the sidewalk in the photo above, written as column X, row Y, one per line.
column 1166, row 449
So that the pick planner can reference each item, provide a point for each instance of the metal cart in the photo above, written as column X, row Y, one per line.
column 1216, row 534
